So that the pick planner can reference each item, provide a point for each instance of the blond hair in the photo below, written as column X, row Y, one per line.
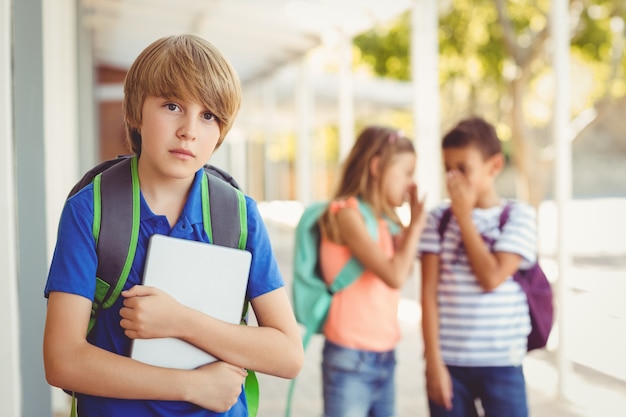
column 185, row 67
column 356, row 181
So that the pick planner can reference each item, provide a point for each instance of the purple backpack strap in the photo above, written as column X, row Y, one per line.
column 443, row 222
column 504, row 216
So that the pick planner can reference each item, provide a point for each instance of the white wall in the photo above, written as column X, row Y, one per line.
column 426, row 101
column 10, row 384
column 60, row 143
column 61, row 109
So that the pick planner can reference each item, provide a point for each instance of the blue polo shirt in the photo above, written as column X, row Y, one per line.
column 73, row 270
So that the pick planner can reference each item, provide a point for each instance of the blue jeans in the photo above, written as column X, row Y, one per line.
column 358, row 383
column 500, row 389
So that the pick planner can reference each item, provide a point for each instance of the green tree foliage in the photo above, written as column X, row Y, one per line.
column 469, row 31
column 385, row 49
column 598, row 39
column 495, row 58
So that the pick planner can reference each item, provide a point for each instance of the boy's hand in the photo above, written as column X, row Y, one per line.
column 439, row 385
column 217, row 386
column 462, row 195
column 149, row 313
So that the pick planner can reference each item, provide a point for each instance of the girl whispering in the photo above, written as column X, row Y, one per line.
column 362, row 328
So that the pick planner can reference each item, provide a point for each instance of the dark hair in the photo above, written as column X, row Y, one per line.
column 474, row 131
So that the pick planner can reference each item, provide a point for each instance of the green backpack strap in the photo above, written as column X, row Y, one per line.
column 115, row 230
column 348, row 274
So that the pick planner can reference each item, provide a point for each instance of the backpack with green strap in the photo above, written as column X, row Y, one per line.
column 116, row 229
column 311, row 295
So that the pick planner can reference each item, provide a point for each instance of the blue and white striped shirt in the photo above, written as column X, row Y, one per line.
column 479, row 328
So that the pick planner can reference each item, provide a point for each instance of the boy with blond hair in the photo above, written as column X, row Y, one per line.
column 180, row 99
column 475, row 315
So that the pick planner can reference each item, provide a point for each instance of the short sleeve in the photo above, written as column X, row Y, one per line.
column 430, row 241
column 74, row 262
column 519, row 234
column 265, row 276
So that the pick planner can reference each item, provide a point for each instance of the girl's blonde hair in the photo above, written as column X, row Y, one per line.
column 356, row 180
column 184, row 67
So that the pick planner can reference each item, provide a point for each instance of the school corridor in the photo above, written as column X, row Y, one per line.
column 593, row 393
column 596, row 384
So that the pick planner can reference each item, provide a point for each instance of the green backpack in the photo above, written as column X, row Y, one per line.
column 311, row 296
column 116, row 229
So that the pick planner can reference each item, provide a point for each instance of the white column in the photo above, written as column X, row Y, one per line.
column 563, row 177
column 88, row 145
column 426, row 113
column 30, row 191
column 60, row 54
column 10, row 382
column 346, row 97
column 269, row 109
column 63, row 153
column 237, row 156
column 304, row 116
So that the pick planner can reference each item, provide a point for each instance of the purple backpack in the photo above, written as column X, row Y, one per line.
column 534, row 283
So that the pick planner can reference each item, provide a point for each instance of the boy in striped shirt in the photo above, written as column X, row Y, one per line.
column 475, row 316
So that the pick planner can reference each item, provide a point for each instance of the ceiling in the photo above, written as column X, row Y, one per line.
column 257, row 36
